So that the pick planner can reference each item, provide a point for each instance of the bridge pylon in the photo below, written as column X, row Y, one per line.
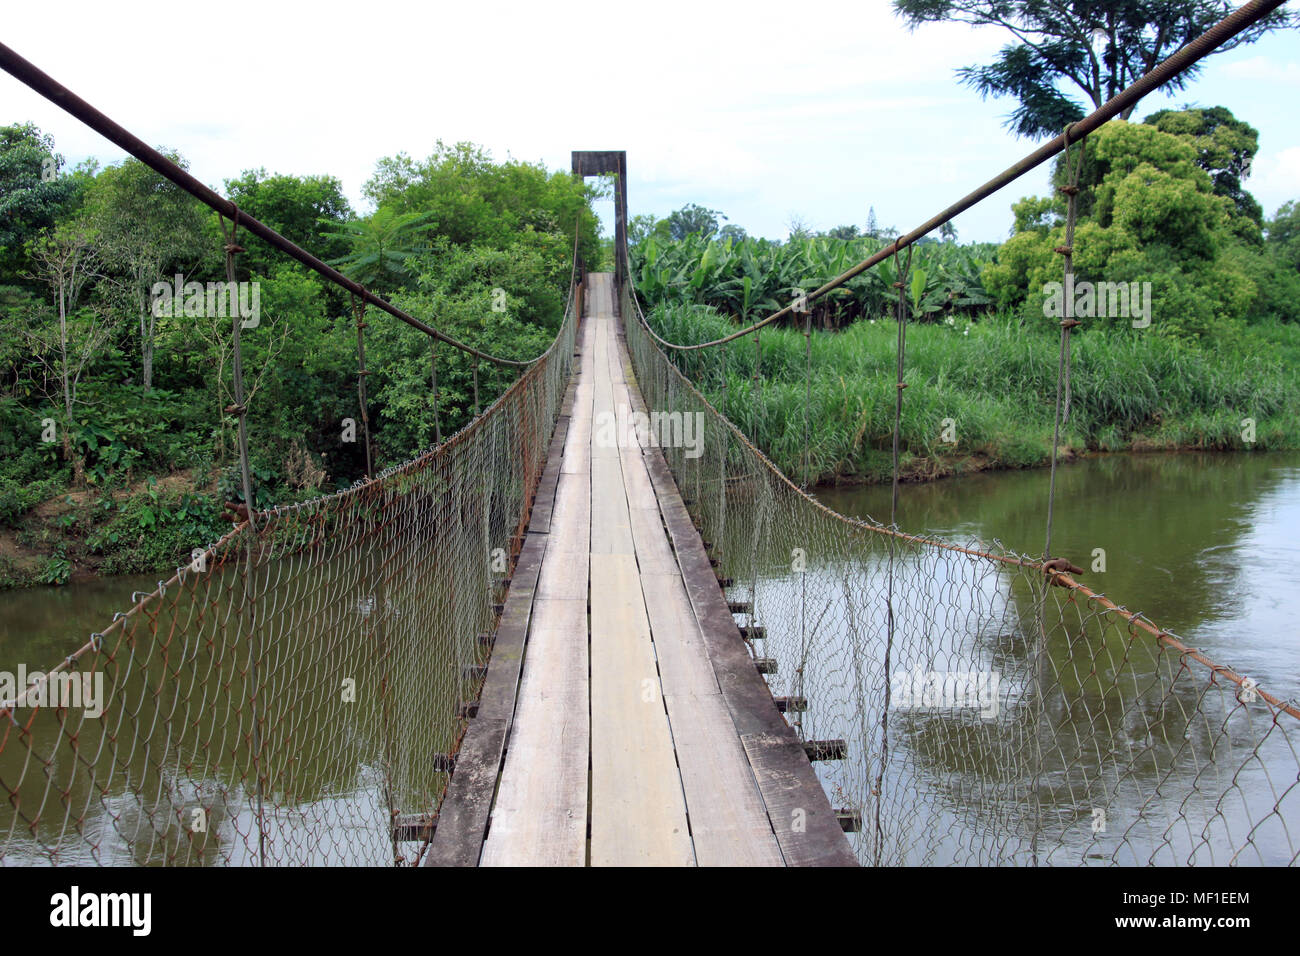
column 594, row 162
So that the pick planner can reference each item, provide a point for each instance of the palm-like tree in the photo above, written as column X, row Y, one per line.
column 381, row 245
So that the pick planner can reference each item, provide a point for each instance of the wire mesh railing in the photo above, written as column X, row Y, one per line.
column 296, row 694
column 293, row 695
column 995, row 711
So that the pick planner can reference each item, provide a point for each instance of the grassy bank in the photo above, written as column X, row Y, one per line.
column 149, row 526
column 991, row 386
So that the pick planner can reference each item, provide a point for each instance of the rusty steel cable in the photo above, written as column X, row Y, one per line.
column 30, row 75
column 1068, row 322
column 1240, row 19
column 359, row 316
column 900, row 285
column 296, row 694
column 1107, row 739
column 231, row 249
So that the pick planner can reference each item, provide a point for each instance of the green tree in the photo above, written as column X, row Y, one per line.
column 645, row 225
column 65, row 260
column 1148, row 214
column 1225, row 147
column 693, row 220
column 1284, row 232
column 473, row 199
column 33, row 190
column 381, row 246
column 295, row 207
column 1098, row 47
column 797, row 229
column 147, row 228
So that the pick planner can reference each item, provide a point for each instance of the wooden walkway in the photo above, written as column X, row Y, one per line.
column 623, row 721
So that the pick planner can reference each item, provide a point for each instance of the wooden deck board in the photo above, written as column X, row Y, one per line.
column 729, row 822
column 540, row 816
column 641, row 734
column 638, row 815
column 611, row 529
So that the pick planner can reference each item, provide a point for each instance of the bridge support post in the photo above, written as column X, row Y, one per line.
column 596, row 163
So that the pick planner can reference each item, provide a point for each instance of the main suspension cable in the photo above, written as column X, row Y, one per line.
column 29, row 74
column 1240, row 19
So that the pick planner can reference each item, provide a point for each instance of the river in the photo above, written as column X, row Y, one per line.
column 1205, row 545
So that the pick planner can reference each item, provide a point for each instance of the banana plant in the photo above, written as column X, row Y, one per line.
column 751, row 277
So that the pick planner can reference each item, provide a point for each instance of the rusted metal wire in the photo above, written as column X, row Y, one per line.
column 29, row 74
column 433, row 374
column 1240, row 19
column 1068, row 322
column 359, row 314
column 1110, row 741
column 240, row 406
column 900, row 283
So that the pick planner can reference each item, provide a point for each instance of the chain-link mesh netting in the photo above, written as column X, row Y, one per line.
column 292, row 696
column 990, row 716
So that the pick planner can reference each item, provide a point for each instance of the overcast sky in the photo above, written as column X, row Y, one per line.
column 816, row 110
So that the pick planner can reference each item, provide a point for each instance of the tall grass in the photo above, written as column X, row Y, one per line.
column 995, row 380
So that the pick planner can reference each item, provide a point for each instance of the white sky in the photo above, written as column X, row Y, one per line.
column 763, row 111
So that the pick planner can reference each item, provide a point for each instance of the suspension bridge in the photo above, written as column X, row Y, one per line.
column 683, row 659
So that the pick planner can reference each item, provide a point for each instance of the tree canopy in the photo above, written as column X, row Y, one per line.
column 1148, row 212
column 1225, row 148
column 1093, row 47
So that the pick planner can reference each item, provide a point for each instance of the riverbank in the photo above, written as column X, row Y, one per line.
column 980, row 398
column 981, row 395
column 78, row 535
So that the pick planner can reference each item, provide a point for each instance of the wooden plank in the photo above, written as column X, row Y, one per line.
column 613, row 358
column 638, row 814
column 604, row 430
column 729, row 820
column 611, row 530
column 564, row 571
column 577, row 445
column 587, row 363
column 463, row 816
column 636, row 479
column 796, row 802
column 729, row 823
column 653, row 553
column 540, row 816
column 571, row 515
column 539, row 521
column 683, row 657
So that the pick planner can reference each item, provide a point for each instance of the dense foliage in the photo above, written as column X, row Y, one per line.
column 752, row 278
column 1160, row 203
column 1150, row 212
column 116, row 443
column 1096, row 48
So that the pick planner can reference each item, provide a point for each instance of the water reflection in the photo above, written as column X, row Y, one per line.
column 1204, row 544
column 1106, row 746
